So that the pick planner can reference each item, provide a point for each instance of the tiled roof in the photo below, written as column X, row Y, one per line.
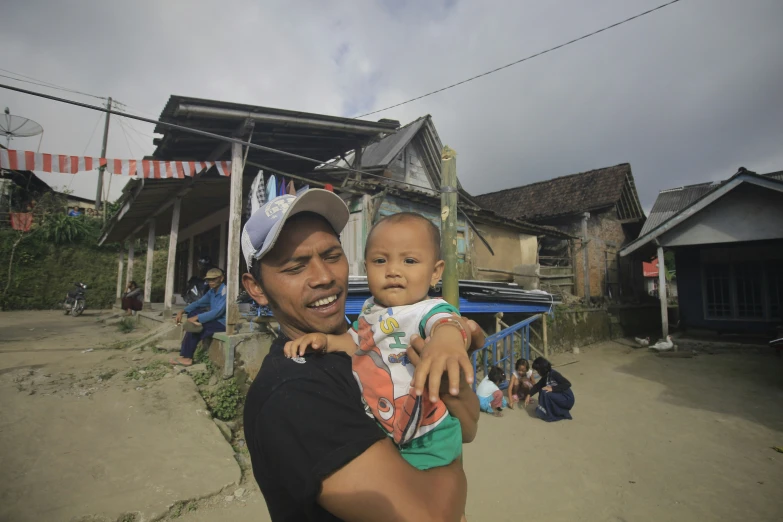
column 565, row 195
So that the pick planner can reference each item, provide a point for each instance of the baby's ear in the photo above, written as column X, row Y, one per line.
column 437, row 272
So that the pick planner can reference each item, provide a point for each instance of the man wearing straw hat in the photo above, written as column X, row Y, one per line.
column 204, row 324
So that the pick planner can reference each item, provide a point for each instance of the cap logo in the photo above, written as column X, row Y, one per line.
column 276, row 207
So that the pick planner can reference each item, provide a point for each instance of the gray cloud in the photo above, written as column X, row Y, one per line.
column 687, row 94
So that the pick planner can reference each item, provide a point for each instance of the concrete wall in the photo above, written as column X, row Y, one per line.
column 747, row 213
column 511, row 249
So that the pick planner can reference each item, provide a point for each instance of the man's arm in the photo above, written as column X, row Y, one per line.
column 314, row 439
column 201, row 301
column 379, row 486
column 217, row 307
column 465, row 407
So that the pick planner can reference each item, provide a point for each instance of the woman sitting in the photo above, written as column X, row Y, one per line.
column 490, row 397
column 131, row 300
column 521, row 383
column 555, row 398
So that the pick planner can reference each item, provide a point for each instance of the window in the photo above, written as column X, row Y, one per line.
column 747, row 277
column 775, row 289
column 743, row 291
column 717, row 279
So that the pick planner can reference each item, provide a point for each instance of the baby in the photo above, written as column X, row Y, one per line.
column 402, row 260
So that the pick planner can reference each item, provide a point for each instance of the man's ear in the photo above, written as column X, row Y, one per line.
column 437, row 273
column 254, row 290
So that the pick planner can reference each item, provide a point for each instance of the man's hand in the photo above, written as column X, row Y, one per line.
column 527, row 400
column 193, row 319
column 547, row 388
column 298, row 347
column 445, row 352
column 179, row 317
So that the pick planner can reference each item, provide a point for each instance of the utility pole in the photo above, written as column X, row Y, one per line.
column 448, row 225
column 99, row 194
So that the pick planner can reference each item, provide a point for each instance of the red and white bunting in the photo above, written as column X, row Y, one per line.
column 27, row 160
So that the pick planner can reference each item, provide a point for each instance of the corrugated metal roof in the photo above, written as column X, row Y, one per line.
column 384, row 151
column 672, row 201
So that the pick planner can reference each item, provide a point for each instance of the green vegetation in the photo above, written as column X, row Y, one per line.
column 126, row 325
column 225, row 401
column 37, row 268
column 152, row 372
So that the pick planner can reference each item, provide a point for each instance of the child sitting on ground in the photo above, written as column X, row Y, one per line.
column 402, row 260
column 521, row 383
column 491, row 399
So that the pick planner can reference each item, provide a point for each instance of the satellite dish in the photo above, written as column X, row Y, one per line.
column 18, row 127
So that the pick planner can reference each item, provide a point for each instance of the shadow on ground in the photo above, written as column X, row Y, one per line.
column 703, row 382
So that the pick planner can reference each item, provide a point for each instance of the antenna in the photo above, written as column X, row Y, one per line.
column 18, row 127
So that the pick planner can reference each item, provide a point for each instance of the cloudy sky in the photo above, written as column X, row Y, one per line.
column 687, row 94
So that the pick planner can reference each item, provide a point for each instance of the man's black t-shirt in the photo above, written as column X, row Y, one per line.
column 304, row 420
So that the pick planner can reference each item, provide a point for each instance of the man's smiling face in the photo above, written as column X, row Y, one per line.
column 304, row 279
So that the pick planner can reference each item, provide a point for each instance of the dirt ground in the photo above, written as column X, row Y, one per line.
column 651, row 439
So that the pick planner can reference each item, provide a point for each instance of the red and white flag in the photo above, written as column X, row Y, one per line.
column 27, row 160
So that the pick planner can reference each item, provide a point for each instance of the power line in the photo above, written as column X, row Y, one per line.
column 127, row 141
column 97, row 121
column 200, row 132
column 127, row 127
column 487, row 73
column 229, row 139
column 44, row 83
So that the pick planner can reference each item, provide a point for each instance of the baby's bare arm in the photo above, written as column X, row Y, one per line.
column 340, row 343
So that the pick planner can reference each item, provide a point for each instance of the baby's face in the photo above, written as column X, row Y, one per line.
column 401, row 263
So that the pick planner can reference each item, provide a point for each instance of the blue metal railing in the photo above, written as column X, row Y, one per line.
column 498, row 349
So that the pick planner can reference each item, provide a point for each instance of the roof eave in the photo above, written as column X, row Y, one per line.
column 698, row 205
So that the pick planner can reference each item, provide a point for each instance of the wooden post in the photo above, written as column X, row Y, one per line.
column 119, row 276
column 543, row 334
column 662, row 293
column 190, row 257
column 223, row 246
column 148, row 268
column 131, row 255
column 585, row 257
column 234, row 233
column 171, row 261
column 448, row 228
column 498, row 319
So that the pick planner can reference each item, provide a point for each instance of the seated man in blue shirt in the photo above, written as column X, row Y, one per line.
column 204, row 324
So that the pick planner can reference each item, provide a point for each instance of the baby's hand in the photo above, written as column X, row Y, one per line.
column 444, row 352
column 298, row 347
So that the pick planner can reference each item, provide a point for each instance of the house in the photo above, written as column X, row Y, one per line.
column 727, row 239
column 601, row 208
column 400, row 170
column 650, row 272
column 408, row 167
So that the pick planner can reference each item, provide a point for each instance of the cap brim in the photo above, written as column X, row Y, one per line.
column 326, row 204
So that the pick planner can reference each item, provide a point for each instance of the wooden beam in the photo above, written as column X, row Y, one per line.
column 119, row 275
column 190, row 257
column 171, row 261
column 543, row 333
column 131, row 256
column 662, row 293
column 148, row 268
column 223, row 245
column 234, row 233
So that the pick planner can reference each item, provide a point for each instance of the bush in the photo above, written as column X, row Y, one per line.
column 225, row 401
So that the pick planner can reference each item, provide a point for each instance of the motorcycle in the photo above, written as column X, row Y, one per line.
column 75, row 301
